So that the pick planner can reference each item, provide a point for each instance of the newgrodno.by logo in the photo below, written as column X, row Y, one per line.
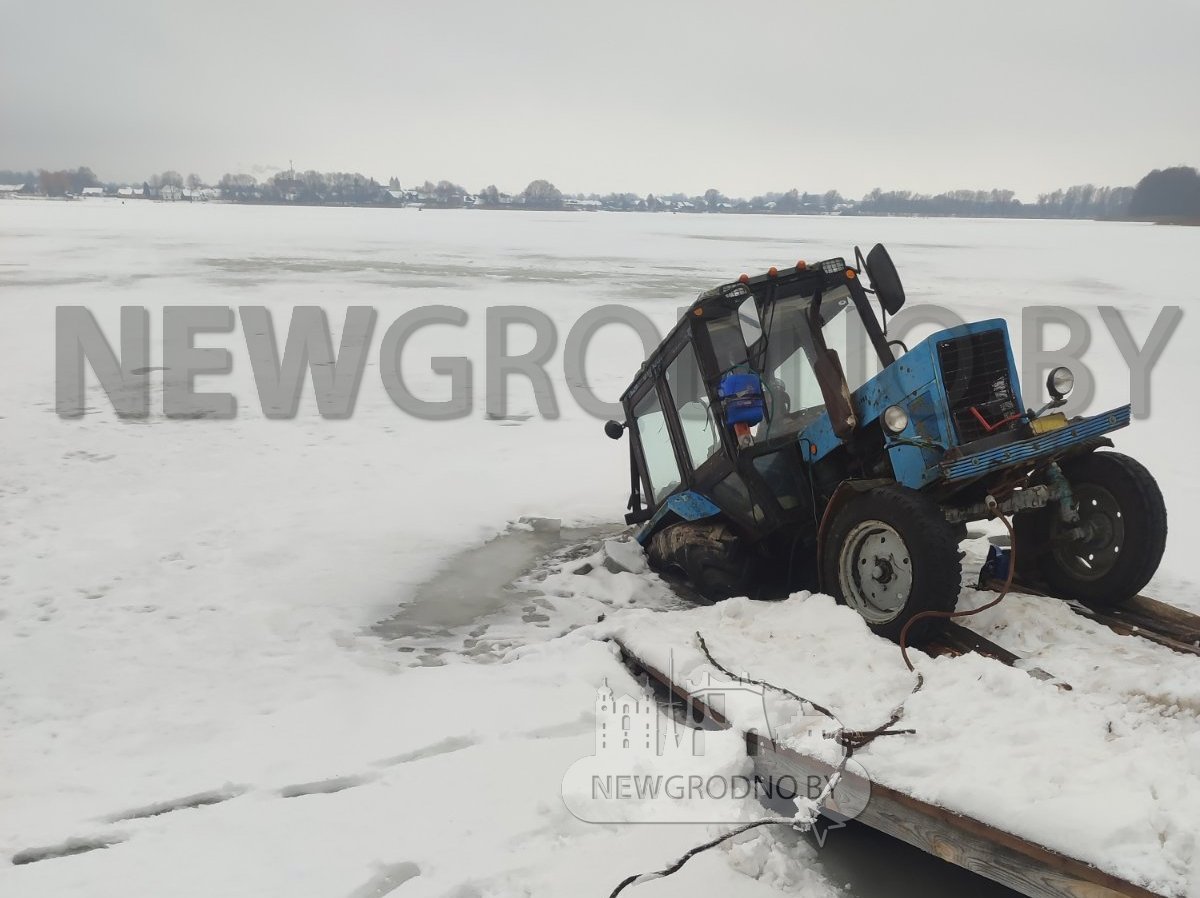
column 650, row 767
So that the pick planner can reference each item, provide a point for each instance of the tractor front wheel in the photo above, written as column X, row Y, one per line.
column 1114, row 549
column 890, row 554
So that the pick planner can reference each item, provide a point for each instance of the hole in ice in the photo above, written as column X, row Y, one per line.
column 493, row 589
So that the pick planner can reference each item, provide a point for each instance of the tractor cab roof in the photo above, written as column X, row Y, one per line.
column 773, row 284
column 725, row 300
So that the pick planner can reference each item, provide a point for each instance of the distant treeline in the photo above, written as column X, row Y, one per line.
column 1081, row 201
column 1171, row 194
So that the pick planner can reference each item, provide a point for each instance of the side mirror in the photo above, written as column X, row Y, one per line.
column 614, row 429
column 885, row 281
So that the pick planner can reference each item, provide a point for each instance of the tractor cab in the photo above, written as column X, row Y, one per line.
column 756, row 464
column 720, row 410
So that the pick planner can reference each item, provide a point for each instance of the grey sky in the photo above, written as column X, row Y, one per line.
column 641, row 95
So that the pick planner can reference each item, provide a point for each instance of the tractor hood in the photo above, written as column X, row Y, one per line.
column 957, row 386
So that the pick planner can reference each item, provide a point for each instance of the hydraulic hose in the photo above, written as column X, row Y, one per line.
column 994, row 507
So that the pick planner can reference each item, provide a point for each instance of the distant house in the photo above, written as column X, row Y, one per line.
column 586, row 205
column 129, row 191
column 11, row 189
column 289, row 186
column 170, row 193
column 92, row 191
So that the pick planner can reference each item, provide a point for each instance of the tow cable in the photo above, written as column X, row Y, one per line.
column 850, row 740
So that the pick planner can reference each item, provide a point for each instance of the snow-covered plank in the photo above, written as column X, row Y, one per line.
column 1006, row 858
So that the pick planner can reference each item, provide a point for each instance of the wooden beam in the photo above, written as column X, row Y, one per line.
column 1142, row 616
column 1018, row 863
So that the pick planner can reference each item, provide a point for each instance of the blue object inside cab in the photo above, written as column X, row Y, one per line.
column 741, row 398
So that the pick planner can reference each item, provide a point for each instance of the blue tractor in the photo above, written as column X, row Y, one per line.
column 757, row 469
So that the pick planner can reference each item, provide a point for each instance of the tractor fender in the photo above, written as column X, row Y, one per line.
column 845, row 491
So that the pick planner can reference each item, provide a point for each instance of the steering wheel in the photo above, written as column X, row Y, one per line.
column 780, row 401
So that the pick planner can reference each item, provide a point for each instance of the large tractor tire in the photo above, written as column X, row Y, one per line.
column 1122, row 510
column 890, row 554
column 709, row 555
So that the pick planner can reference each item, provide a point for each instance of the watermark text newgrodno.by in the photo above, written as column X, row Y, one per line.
column 121, row 368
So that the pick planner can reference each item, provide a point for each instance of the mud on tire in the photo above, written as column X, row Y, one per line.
column 710, row 556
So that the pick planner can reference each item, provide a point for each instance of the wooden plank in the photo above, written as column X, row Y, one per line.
column 1184, row 624
column 1010, row 860
column 1142, row 616
column 1125, row 627
column 1018, row 863
column 955, row 639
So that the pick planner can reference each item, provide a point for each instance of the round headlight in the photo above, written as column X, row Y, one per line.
column 895, row 418
column 1060, row 382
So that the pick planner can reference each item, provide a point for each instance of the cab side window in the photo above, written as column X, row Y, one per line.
column 701, row 438
column 661, row 467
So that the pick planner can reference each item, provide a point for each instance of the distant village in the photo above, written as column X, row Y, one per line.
column 167, row 193
column 315, row 188
column 1171, row 194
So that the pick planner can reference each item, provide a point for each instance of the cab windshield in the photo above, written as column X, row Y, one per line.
column 786, row 353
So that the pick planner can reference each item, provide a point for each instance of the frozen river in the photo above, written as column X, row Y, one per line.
column 188, row 604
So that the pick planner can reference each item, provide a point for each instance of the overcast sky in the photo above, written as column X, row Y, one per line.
column 639, row 95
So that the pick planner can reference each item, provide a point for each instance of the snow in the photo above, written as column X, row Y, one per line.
column 201, row 608
column 1097, row 772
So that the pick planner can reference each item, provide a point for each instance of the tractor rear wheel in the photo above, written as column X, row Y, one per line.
column 890, row 554
column 1124, row 523
column 710, row 556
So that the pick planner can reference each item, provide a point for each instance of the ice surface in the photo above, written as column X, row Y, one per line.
column 187, row 607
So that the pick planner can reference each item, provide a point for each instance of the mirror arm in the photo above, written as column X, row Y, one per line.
column 867, row 315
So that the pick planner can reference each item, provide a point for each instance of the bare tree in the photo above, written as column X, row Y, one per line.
column 542, row 195
column 54, row 183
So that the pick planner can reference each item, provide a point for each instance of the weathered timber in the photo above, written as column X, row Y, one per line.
column 1018, row 863
column 953, row 639
column 1141, row 616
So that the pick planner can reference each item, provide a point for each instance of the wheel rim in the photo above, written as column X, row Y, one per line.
column 875, row 571
column 1099, row 513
